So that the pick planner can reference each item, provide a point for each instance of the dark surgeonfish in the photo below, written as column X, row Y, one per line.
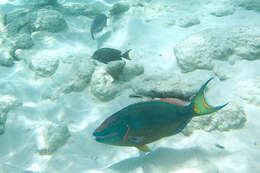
column 142, row 123
column 106, row 55
column 97, row 25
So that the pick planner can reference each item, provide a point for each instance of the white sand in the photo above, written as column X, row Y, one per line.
column 83, row 113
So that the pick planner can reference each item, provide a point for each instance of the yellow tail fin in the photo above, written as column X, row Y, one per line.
column 200, row 105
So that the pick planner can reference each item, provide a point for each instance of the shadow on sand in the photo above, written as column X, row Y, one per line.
column 164, row 160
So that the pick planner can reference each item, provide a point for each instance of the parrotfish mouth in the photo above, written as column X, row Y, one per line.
column 102, row 138
column 110, row 131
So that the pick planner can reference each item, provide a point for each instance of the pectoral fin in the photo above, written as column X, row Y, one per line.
column 143, row 148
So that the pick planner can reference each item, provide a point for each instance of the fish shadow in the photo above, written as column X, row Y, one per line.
column 103, row 38
column 166, row 159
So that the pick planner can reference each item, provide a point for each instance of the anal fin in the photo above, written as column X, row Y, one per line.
column 143, row 148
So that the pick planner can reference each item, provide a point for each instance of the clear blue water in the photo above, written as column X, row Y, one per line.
column 54, row 93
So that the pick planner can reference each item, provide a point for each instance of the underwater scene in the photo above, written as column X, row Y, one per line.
column 129, row 86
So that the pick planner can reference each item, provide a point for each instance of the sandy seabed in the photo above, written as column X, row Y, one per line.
column 52, row 102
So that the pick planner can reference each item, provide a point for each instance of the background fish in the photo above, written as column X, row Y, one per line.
column 2, row 19
column 145, row 122
column 97, row 25
column 106, row 55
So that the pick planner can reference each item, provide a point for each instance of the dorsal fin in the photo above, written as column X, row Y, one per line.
column 174, row 101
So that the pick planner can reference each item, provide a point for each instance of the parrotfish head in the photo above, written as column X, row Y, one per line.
column 111, row 131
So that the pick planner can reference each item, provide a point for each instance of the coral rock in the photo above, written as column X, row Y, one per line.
column 51, row 137
column 187, row 21
column 229, row 118
column 7, row 104
column 102, row 85
column 44, row 66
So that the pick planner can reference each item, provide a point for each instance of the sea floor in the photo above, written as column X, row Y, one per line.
column 50, row 119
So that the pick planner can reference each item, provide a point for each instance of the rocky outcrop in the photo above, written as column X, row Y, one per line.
column 23, row 41
column 51, row 137
column 87, row 8
column 187, row 21
column 76, row 9
column 250, row 4
column 119, row 8
column 222, row 11
column 7, row 104
column 26, row 21
column 48, row 20
column 103, row 86
column 81, row 74
column 44, row 66
column 107, row 83
column 200, row 50
column 115, row 68
column 18, row 21
column 231, row 117
column 172, row 86
column 6, row 58
column 78, row 74
column 39, row 3
column 130, row 71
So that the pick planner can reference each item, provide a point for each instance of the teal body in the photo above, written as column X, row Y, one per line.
column 148, row 122
column 145, row 122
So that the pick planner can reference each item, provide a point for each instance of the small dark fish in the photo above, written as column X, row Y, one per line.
column 135, row 96
column 106, row 55
column 2, row 18
column 142, row 123
column 220, row 146
column 97, row 25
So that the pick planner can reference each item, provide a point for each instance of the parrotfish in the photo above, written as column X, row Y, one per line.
column 145, row 122
column 106, row 55
column 97, row 25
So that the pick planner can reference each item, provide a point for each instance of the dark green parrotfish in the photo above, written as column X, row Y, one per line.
column 106, row 55
column 97, row 25
column 142, row 123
